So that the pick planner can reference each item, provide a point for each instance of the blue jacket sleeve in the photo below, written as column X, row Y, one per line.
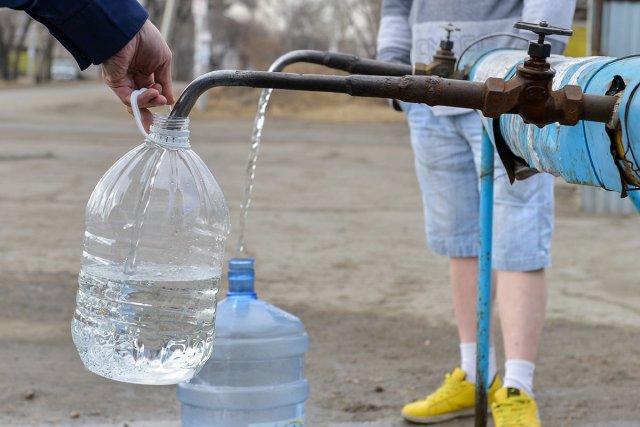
column 92, row 30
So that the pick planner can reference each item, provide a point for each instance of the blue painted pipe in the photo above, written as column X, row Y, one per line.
column 635, row 198
column 484, row 280
column 580, row 154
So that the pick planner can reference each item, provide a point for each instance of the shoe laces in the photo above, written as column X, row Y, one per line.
column 510, row 412
column 448, row 387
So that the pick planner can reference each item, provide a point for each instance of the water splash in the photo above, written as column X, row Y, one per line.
column 252, row 162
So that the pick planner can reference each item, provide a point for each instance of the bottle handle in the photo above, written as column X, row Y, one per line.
column 136, row 111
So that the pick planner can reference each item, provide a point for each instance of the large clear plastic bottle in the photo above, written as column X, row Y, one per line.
column 156, row 224
column 255, row 376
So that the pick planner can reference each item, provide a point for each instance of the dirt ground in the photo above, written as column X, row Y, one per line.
column 336, row 230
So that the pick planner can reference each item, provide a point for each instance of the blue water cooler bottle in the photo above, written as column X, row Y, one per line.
column 255, row 376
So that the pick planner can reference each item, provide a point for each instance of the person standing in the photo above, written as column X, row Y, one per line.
column 446, row 143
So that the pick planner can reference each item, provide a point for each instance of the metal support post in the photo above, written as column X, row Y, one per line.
column 635, row 198
column 484, row 280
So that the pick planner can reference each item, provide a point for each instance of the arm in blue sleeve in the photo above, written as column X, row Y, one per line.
column 92, row 30
column 394, row 36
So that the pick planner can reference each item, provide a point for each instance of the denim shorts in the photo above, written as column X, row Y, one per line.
column 447, row 161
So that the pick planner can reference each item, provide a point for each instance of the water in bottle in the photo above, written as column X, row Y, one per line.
column 156, row 224
column 255, row 376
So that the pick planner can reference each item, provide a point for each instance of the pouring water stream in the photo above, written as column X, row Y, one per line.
column 252, row 162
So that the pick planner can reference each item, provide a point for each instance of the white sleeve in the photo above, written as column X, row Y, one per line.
column 558, row 13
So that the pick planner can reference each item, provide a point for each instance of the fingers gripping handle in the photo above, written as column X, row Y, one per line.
column 170, row 138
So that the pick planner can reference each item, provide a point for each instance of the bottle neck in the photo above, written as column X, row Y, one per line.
column 169, row 132
column 242, row 295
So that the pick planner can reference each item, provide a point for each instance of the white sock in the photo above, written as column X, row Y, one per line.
column 519, row 374
column 468, row 361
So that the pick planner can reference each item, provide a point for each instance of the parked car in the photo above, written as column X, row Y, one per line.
column 64, row 69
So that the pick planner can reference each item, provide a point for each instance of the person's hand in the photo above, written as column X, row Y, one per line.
column 144, row 62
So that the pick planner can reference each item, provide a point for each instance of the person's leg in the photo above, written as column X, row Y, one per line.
column 523, row 224
column 449, row 184
column 464, row 270
column 522, row 251
column 463, row 273
column 446, row 175
column 522, row 298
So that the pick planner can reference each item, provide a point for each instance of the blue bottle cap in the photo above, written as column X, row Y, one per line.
column 241, row 263
column 241, row 276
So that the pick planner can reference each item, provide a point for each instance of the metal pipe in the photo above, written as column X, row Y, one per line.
column 484, row 280
column 428, row 90
column 635, row 198
column 598, row 108
column 352, row 64
column 580, row 154
column 422, row 89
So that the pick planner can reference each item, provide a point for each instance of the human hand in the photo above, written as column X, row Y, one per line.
column 145, row 62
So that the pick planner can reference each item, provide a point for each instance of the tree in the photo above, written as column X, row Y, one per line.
column 346, row 25
column 227, row 32
column 14, row 30
column 20, row 48
column 305, row 25
column 9, row 23
column 359, row 21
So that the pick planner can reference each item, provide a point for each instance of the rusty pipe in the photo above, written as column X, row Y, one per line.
column 421, row 89
column 599, row 108
column 352, row 64
column 561, row 107
column 594, row 108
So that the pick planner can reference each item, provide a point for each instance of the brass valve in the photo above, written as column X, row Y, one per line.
column 529, row 93
column 444, row 60
column 541, row 50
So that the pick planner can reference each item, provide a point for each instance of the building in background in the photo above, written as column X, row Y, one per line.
column 616, row 31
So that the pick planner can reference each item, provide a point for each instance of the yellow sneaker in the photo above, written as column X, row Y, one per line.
column 514, row 408
column 455, row 398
